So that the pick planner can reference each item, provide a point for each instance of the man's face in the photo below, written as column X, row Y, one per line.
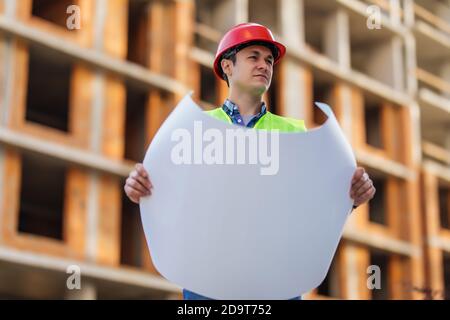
column 253, row 69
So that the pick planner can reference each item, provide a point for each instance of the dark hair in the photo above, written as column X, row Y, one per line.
column 230, row 54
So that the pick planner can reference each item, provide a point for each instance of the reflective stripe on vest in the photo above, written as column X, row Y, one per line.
column 268, row 121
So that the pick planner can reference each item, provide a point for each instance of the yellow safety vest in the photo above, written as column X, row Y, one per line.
column 268, row 121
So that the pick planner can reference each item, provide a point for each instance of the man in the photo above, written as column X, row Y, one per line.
column 245, row 60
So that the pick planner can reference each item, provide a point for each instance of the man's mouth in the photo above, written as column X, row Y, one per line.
column 262, row 76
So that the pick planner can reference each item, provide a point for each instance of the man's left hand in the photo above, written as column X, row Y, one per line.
column 362, row 189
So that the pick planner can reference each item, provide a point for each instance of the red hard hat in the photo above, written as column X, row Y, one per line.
column 245, row 33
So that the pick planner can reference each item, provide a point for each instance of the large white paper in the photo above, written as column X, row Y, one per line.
column 230, row 232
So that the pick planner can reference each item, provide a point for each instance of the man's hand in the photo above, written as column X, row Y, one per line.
column 362, row 189
column 138, row 184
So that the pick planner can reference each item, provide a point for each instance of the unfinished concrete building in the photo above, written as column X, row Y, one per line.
column 78, row 107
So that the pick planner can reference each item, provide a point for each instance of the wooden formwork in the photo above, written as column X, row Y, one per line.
column 97, row 121
column 130, row 63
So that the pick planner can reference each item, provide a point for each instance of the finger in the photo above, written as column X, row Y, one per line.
column 360, row 191
column 131, row 194
column 362, row 180
column 143, row 173
column 356, row 191
column 357, row 175
column 137, row 186
column 366, row 186
column 366, row 196
column 136, row 194
column 356, row 187
column 145, row 182
column 141, row 170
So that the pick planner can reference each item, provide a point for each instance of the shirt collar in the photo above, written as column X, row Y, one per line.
column 232, row 109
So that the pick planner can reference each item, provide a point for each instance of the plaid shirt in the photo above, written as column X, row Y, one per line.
column 232, row 111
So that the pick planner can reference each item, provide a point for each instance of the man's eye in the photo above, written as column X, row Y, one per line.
column 252, row 57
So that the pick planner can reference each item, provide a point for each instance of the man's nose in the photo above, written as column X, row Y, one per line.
column 262, row 66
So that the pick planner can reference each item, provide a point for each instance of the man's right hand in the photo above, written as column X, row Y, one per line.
column 138, row 184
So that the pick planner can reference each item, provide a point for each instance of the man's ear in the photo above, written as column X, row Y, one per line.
column 226, row 66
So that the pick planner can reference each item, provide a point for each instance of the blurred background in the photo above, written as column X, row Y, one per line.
column 79, row 106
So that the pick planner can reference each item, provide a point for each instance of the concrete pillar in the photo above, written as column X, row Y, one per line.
column 241, row 11
column 445, row 74
column 292, row 22
column 411, row 64
column 297, row 90
column 388, row 55
column 394, row 8
column 408, row 13
column 7, row 48
column 357, row 260
column 6, row 82
column 336, row 38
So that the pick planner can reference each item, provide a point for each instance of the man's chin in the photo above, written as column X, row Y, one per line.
column 259, row 89
column 255, row 88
